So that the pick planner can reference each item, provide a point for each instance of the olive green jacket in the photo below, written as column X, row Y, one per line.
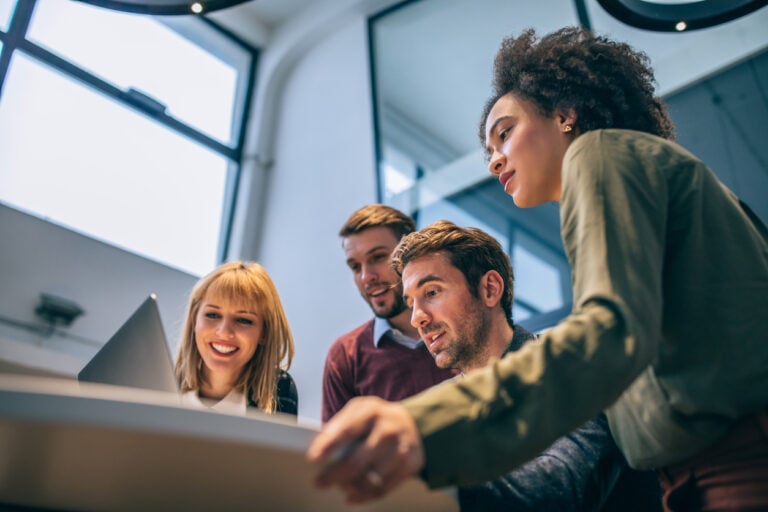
column 669, row 329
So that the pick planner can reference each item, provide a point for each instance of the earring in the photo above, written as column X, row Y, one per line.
column 567, row 128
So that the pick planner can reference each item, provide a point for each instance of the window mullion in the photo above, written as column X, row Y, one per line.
column 69, row 69
column 20, row 20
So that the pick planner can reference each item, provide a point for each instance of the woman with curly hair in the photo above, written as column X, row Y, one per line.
column 236, row 343
column 670, row 300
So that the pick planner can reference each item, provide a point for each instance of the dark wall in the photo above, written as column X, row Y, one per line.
column 724, row 121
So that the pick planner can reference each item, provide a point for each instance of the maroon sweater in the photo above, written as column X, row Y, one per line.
column 355, row 366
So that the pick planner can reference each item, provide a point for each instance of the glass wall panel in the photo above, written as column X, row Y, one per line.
column 106, row 171
column 432, row 63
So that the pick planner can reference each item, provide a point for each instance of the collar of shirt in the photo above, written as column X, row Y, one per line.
column 520, row 337
column 233, row 403
column 381, row 328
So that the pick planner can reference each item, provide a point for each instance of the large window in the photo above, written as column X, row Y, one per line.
column 127, row 128
column 432, row 63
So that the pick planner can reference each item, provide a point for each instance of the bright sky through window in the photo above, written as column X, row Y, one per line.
column 74, row 156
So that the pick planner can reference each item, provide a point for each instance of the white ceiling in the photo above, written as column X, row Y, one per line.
column 271, row 12
column 265, row 14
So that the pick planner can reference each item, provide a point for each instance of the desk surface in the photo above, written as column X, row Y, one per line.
column 65, row 445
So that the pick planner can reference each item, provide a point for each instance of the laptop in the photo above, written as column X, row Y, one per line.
column 137, row 355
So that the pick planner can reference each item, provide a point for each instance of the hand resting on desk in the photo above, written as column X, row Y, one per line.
column 370, row 447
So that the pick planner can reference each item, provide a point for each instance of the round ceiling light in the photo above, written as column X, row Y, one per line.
column 668, row 17
column 164, row 7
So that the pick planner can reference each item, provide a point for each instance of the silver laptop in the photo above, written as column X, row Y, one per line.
column 137, row 355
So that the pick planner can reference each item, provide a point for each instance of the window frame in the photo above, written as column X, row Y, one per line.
column 15, row 39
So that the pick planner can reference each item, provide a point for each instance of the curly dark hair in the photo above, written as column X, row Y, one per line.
column 607, row 83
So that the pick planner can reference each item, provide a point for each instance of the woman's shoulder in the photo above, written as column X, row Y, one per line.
column 616, row 137
column 287, row 394
column 598, row 142
column 614, row 154
column 283, row 375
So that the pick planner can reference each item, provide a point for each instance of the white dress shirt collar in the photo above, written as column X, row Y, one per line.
column 381, row 327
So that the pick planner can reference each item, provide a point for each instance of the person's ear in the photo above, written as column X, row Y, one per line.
column 567, row 120
column 491, row 288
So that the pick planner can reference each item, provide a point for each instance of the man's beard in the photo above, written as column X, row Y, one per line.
column 471, row 340
column 397, row 307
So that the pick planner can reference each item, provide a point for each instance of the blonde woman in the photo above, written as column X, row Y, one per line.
column 236, row 343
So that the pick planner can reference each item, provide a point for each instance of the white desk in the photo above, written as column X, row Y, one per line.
column 71, row 446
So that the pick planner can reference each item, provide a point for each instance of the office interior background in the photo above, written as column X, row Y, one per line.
column 137, row 152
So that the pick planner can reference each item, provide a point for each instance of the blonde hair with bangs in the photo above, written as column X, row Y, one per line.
column 246, row 282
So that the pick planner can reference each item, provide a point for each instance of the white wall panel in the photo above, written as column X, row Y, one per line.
column 323, row 169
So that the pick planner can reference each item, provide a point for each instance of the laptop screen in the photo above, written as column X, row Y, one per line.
column 137, row 355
